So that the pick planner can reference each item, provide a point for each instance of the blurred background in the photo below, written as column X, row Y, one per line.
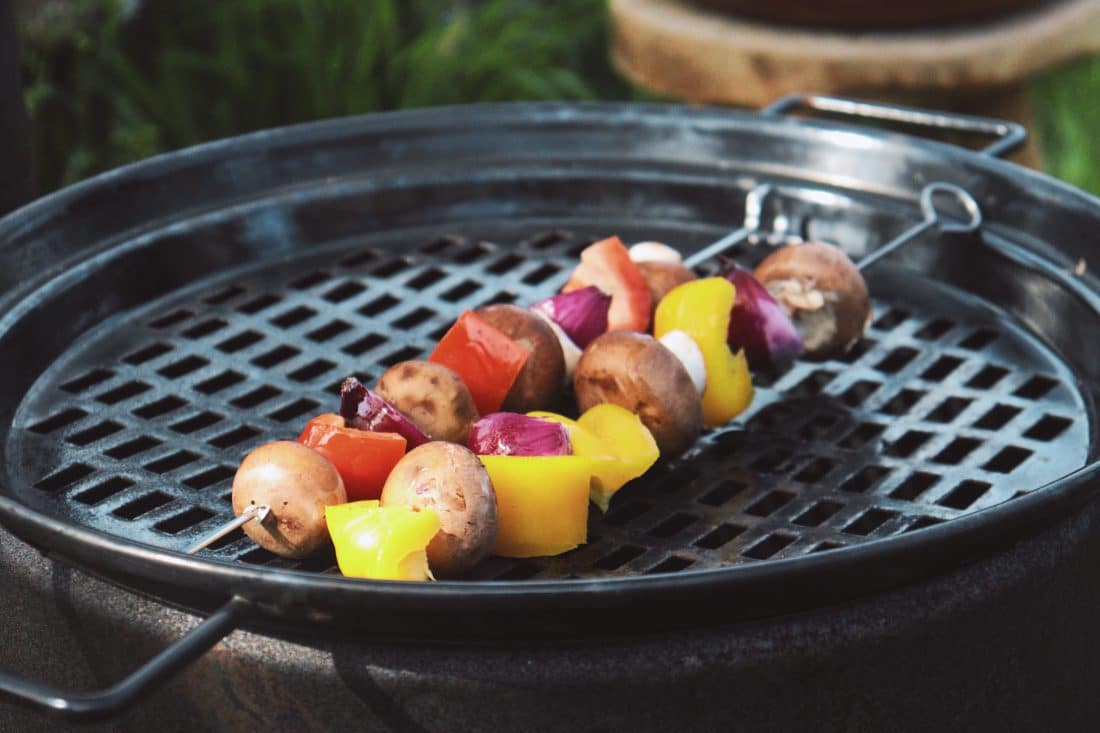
column 107, row 82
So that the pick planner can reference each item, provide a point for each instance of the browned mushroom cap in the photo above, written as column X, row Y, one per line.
column 822, row 291
column 540, row 381
column 637, row 372
column 661, row 277
column 432, row 396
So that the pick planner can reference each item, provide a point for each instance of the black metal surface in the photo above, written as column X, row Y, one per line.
column 186, row 324
column 17, row 183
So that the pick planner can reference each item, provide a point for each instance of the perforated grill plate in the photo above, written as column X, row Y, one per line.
column 946, row 408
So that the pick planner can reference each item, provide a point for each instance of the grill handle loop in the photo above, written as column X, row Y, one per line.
column 933, row 218
column 1010, row 135
column 103, row 704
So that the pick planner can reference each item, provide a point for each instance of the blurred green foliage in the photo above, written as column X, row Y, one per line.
column 121, row 80
column 115, row 85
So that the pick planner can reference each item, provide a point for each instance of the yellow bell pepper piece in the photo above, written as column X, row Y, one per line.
column 701, row 308
column 382, row 543
column 542, row 503
column 622, row 448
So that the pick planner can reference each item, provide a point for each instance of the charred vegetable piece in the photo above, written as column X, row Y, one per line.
column 364, row 410
column 487, row 360
column 432, row 396
column 607, row 265
column 581, row 314
column 381, row 543
column 363, row 458
column 701, row 309
column 822, row 291
column 620, row 446
column 510, row 434
column 543, row 503
column 539, row 382
column 297, row 483
column 758, row 324
column 638, row 373
column 450, row 480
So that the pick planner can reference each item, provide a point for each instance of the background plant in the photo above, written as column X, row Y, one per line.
column 111, row 81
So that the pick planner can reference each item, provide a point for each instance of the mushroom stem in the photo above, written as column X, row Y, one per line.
column 687, row 351
column 655, row 252
column 569, row 350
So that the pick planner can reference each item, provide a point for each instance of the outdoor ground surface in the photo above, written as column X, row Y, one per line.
column 112, row 81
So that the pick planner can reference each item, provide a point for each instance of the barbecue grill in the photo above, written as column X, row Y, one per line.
column 896, row 539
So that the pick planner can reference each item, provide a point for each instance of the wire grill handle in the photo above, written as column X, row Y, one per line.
column 1010, row 135
column 103, row 704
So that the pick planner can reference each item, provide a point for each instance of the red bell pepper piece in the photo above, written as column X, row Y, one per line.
column 607, row 265
column 363, row 458
column 486, row 359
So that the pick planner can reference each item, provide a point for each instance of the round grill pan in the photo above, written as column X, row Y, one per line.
column 163, row 319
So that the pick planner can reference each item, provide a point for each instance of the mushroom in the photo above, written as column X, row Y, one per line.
column 661, row 277
column 638, row 372
column 539, row 382
column 450, row 480
column 822, row 291
column 296, row 483
column 432, row 396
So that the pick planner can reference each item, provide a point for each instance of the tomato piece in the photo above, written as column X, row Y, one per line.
column 486, row 359
column 363, row 458
column 607, row 265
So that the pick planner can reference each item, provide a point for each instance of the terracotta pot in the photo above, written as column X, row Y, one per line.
column 868, row 14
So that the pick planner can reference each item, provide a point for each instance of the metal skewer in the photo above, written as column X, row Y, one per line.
column 754, row 202
column 258, row 512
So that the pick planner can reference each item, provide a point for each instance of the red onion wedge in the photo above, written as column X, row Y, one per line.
column 582, row 313
column 758, row 324
column 364, row 410
column 511, row 434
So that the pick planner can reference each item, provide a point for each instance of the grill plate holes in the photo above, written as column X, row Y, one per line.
column 914, row 485
column 147, row 354
column 413, row 319
column 1036, row 387
column 308, row 281
column 132, row 447
column 541, row 273
column 719, row 536
column 330, row 330
column 1007, row 460
column 965, row 494
column 903, row 401
column 367, row 255
column 897, row 360
column 619, row 557
column 380, row 304
column 91, row 379
column 673, row 525
column 171, row 319
column 863, row 434
column 256, row 397
column 869, row 521
column 626, row 513
column 673, row 564
column 815, row 470
column 276, row 356
column 949, row 409
column 933, row 330
column 172, row 461
column 391, row 268
column 58, row 421
column 180, row 522
column 344, row 291
column 922, row 522
column 941, row 368
column 224, row 295
column 460, row 291
column 772, row 461
column 233, row 437
column 987, row 377
column 295, row 409
column 426, row 279
column 892, row 319
column 818, row 514
column 184, row 366
column 159, row 407
column 908, row 444
column 103, row 490
column 1048, row 428
column 311, row 371
column 769, row 504
column 219, row 382
column 239, row 342
column 866, row 479
column 957, row 450
column 979, row 339
column 205, row 328
column 260, row 303
column 409, row 352
column 293, row 317
column 505, row 264
column 722, row 493
column 813, row 384
column 997, row 417
column 198, row 422
column 94, row 433
column 209, row 477
column 856, row 394
column 365, row 344
column 65, row 477
column 769, row 546
column 143, row 505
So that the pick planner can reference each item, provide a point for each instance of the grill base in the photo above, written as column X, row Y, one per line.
column 1008, row 644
